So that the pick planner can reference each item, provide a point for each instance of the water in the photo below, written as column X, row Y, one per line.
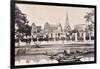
column 31, row 59
column 34, row 59
column 42, row 59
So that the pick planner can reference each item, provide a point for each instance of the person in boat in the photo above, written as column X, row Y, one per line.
column 65, row 53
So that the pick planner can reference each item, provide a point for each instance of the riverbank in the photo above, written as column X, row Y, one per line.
column 54, row 43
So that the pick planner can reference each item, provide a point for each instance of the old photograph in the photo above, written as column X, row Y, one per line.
column 47, row 34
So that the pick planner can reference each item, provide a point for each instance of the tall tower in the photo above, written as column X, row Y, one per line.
column 33, row 30
column 67, row 26
column 59, row 28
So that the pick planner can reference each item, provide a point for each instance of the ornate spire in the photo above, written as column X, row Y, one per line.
column 67, row 27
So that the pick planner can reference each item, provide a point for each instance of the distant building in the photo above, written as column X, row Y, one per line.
column 38, row 29
column 34, row 28
column 60, row 30
column 47, row 28
column 56, row 28
column 53, row 30
column 80, row 27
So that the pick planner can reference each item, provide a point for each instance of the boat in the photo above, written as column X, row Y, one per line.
column 67, row 59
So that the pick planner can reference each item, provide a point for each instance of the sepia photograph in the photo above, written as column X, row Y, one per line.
column 50, row 34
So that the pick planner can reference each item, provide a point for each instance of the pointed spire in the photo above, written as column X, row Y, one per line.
column 67, row 20
column 67, row 27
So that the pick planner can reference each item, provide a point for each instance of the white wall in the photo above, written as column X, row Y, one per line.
column 5, row 34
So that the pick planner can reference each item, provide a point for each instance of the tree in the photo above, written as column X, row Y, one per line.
column 21, row 22
column 90, row 22
column 90, row 16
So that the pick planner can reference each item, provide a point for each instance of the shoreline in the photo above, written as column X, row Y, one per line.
column 44, row 43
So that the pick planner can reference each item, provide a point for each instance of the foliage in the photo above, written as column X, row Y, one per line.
column 90, row 20
column 21, row 22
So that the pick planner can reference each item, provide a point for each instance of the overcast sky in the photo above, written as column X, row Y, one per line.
column 40, row 14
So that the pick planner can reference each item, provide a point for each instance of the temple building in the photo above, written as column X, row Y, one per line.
column 52, row 30
column 56, row 30
column 36, row 31
column 67, row 27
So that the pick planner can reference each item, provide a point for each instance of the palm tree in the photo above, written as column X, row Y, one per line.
column 90, row 22
column 89, row 16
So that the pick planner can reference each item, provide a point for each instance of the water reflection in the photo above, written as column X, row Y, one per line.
column 35, row 59
column 42, row 59
column 50, row 54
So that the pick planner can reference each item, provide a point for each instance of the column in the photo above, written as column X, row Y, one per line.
column 90, row 35
column 84, row 36
column 75, row 36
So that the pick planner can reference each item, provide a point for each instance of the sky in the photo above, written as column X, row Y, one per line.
column 40, row 14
